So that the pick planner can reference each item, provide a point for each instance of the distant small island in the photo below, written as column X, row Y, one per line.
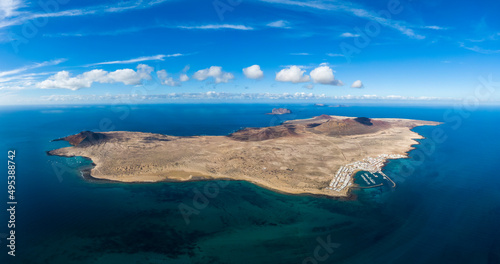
column 338, row 105
column 316, row 156
column 324, row 105
column 280, row 111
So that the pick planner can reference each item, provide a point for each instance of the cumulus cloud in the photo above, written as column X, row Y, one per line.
column 131, row 77
column 166, row 79
column 357, row 84
column 253, row 72
column 144, row 71
column 63, row 79
column 292, row 74
column 324, row 75
column 182, row 97
column 98, row 75
column 214, row 72
column 184, row 77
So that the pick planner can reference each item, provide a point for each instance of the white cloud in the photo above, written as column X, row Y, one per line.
column 134, row 29
column 63, row 79
column 18, row 18
column 253, row 72
column 349, row 35
column 334, row 55
column 324, row 75
column 8, row 8
column 479, row 49
column 311, row 4
column 114, row 32
column 214, row 72
column 160, row 57
column 92, row 76
column 215, row 27
column 30, row 67
column 183, row 96
column 292, row 74
column 27, row 77
column 300, row 54
column 354, row 10
column 127, row 76
column 357, row 84
column 165, row 79
column 397, row 25
column 436, row 27
column 189, row 97
column 279, row 24
column 183, row 77
column 144, row 71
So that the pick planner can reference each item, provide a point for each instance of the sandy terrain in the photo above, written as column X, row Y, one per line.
column 299, row 157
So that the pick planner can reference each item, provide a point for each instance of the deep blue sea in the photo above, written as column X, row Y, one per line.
column 445, row 208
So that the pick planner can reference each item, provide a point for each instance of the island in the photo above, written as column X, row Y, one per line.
column 316, row 156
column 279, row 111
column 338, row 105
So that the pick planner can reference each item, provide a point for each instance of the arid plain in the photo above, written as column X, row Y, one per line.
column 297, row 157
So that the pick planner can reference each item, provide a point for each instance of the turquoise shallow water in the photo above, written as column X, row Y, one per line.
column 446, row 208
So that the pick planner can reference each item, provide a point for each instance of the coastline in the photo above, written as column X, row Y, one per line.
column 189, row 173
column 86, row 173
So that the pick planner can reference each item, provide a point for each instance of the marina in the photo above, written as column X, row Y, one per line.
column 368, row 180
column 343, row 178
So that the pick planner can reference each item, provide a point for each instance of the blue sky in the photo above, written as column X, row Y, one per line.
column 69, row 51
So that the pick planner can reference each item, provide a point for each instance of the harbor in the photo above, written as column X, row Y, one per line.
column 344, row 177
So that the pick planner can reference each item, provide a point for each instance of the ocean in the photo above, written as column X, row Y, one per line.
column 445, row 208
